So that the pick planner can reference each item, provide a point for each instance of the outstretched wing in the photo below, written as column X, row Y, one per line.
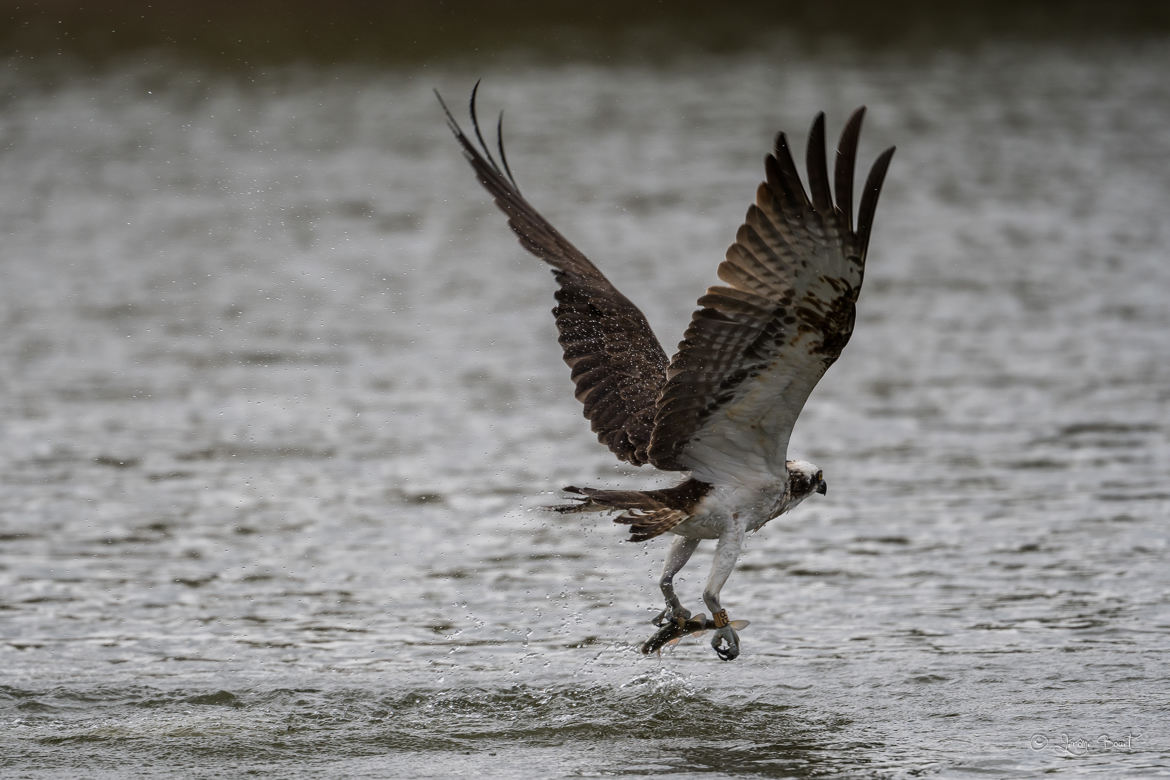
column 757, row 347
column 617, row 364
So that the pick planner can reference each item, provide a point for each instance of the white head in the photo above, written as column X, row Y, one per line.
column 804, row 479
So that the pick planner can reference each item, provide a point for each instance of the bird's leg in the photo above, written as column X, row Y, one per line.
column 726, row 554
column 680, row 553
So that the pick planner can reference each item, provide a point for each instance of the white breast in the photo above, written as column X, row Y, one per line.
column 728, row 506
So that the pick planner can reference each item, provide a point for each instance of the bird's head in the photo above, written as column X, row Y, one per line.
column 804, row 479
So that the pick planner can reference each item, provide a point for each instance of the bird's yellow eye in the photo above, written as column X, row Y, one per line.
column 820, row 476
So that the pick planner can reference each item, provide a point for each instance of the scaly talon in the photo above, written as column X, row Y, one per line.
column 726, row 634
column 679, row 615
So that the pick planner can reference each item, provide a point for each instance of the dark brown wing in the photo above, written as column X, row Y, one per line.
column 618, row 365
column 758, row 346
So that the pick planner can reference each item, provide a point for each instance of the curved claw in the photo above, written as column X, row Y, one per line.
column 727, row 635
column 670, row 615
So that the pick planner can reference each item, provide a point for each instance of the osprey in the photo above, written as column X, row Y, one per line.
column 722, row 409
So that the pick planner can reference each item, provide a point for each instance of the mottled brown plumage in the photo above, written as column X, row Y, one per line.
column 779, row 310
column 617, row 363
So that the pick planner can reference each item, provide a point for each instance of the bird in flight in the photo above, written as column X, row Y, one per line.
column 722, row 409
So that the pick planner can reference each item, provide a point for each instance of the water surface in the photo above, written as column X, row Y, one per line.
column 281, row 400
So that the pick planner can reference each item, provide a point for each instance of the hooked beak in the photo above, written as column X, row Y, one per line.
column 823, row 488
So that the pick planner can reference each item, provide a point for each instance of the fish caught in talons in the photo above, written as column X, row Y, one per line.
column 670, row 634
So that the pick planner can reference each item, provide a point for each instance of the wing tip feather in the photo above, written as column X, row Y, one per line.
column 869, row 197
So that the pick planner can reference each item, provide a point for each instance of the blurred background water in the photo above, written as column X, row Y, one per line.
column 280, row 396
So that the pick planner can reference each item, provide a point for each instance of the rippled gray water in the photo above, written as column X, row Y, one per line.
column 281, row 399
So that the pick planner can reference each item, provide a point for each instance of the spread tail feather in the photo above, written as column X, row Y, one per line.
column 647, row 512
column 646, row 525
column 594, row 500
